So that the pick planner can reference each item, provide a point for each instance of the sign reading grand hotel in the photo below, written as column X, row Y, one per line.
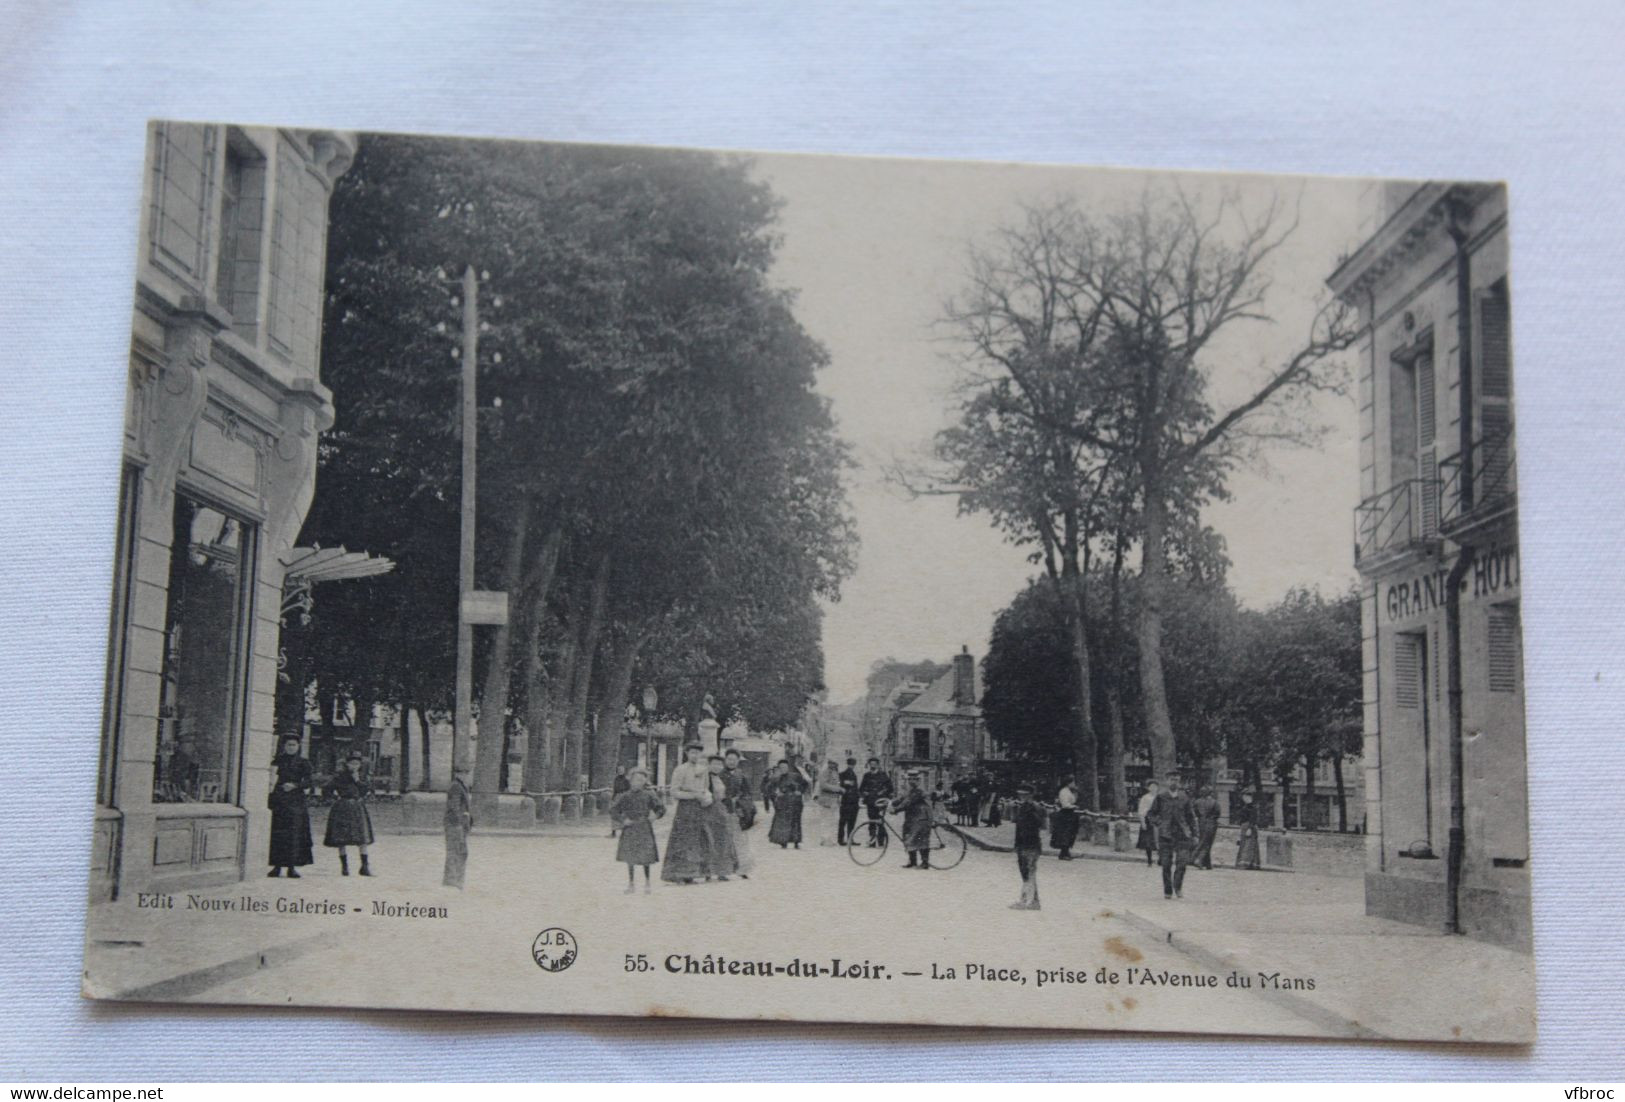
column 1493, row 573
column 476, row 643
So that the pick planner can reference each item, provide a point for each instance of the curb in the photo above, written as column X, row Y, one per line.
column 1077, row 855
column 1085, row 855
column 188, row 985
column 1333, row 1022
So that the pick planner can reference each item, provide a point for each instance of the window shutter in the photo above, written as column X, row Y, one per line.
column 1426, row 399
column 1408, row 671
column 1428, row 471
column 1503, row 648
column 1495, row 345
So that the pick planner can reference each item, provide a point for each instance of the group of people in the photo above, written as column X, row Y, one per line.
column 348, row 822
column 1179, row 832
column 977, row 800
column 715, row 810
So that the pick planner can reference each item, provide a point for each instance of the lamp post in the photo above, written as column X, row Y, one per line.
column 464, row 725
column 651, row 701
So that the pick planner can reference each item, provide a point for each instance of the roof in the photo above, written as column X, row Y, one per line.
column 938, row 699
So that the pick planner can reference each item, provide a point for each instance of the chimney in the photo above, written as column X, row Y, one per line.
column 964, row 677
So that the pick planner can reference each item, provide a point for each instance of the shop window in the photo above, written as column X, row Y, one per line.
column 200, row 714
column 1503, row 648
column 118, row 631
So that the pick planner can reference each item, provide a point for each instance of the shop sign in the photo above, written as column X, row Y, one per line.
column 1494, row 572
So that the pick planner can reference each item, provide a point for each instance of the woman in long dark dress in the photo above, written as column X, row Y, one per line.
column 1064, row 820
column 722, row 860
column 290, row 817
column 1147, row 841
column 348, row 824
column 788, row 787
column 688, row 846
column 1247, row 845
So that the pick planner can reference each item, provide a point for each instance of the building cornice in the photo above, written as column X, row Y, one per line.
column 1405, row 233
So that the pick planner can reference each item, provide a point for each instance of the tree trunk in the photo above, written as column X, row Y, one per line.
column 538, row 750
column 611, row 709
column 1116, row 778
column 557, row 706
column 1083, row 722
column 423, row 740
column 1159, row 727
column 537, row 585
column 1310, row 818
column 491, row 748
column 586, row 652
column 1342, row 795
column 406, row 747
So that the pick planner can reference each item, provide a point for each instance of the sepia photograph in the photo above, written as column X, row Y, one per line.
column 602, row 579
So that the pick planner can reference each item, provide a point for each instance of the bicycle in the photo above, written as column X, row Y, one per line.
column 946, row 850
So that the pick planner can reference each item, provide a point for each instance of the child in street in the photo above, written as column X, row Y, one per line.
column 1029, row 819
column 634, row 812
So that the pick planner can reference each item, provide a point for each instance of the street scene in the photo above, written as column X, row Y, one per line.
column 585, row 579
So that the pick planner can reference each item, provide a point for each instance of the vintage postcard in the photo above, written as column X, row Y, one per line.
column 577, row 579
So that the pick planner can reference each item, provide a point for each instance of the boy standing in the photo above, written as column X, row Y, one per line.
column 1029, row 819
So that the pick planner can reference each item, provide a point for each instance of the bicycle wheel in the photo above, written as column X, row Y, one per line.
column 858, row 847
column 947, row 847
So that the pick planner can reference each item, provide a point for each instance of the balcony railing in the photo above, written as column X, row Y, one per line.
column 1404, row 516
column 1495, row 481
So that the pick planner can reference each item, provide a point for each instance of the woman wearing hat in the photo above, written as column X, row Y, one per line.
column 290, row 816
column 348, row 824
column 688, row 848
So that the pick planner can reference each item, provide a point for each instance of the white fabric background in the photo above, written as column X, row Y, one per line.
column 1529, row 93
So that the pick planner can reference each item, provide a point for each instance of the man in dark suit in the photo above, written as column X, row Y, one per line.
column 848, row 822
column 1174, row 818
column 1207, row 821
column 875, row 786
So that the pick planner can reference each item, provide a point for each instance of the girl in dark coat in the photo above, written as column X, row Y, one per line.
column 348, row 824
column 787, row 789
column 634, row 812
column 290, row 818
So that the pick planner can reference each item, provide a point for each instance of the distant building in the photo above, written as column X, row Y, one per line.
column 1436, row 544
column 222, row 413
column 1308, row 803
column 937, row 727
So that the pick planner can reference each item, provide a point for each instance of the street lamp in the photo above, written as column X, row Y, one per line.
column 651, row 701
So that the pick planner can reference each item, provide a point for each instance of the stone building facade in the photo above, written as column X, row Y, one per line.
column 223, row 411
column 1436, row 544
column 937, row 727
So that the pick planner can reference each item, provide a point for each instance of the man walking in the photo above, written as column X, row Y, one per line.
column 1175, row 821
column 459, row 821
column 1207, row 824
column 849, row 803
column 874, row 787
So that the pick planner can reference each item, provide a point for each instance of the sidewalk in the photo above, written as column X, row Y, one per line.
column 1370, row 977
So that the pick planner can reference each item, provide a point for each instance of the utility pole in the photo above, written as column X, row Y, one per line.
column 462, row 758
